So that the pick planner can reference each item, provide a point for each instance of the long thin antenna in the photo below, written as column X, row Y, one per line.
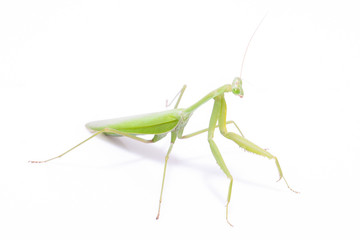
column 247, row 47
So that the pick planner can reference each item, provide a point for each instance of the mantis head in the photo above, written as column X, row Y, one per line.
column 237, row 83
column 237, row 87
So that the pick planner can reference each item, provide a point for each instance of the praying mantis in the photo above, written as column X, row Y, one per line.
column 174, row 121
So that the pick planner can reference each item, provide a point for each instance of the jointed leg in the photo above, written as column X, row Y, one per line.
column 244, row 143
column 207, row 129
column 105, row 130
column 215, row 150
column 173, row 138
column 178, row 101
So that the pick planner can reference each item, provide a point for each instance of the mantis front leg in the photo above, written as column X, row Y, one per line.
column 215, row 150
column 219, row 115
column 243, row 142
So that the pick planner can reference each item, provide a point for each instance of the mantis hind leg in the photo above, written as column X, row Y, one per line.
column 109, row 131
column 244, row 143
column 215, row 150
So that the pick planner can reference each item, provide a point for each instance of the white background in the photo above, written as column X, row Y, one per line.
column 64, row 63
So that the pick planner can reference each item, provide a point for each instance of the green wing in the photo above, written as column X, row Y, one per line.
column 151, row 123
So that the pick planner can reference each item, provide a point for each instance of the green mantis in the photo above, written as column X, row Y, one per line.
column 174, row 121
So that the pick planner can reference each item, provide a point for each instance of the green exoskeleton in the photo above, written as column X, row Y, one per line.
column 174, row 121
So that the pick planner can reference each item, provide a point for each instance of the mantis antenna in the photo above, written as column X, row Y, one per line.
column 247, row 47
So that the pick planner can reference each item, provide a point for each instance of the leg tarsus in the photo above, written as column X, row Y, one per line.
column 227, row 215
column 228, row 201
column 95, row 134
column 288, row 185
column 44, row 160
column 282, row 175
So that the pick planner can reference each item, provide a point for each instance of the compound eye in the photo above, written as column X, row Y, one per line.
column 237, row 87
column 236, row 91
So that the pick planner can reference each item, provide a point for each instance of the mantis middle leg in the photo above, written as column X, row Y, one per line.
column 173, row 138
column 207, row 129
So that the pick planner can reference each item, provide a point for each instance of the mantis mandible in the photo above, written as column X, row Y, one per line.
column 174, row 121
